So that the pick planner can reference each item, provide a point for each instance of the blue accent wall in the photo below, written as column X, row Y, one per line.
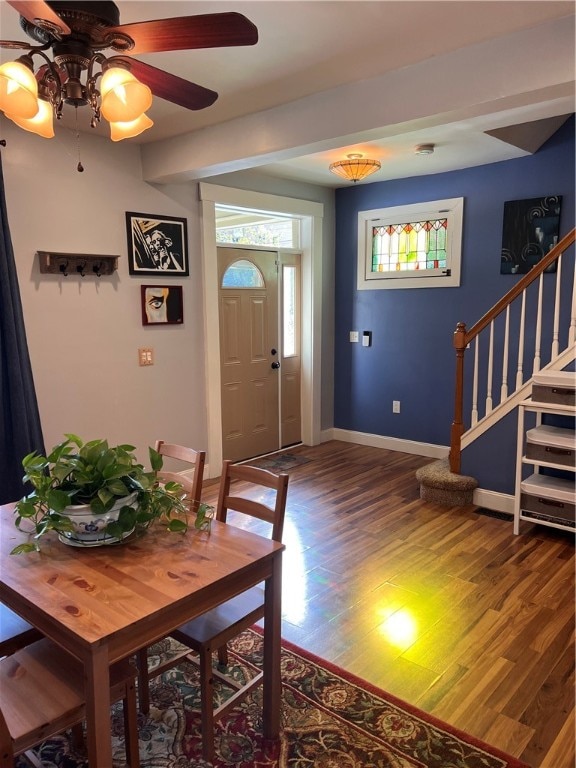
column 412, row 358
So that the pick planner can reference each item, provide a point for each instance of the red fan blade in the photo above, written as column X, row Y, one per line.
column 211, row 30
column 14, row 44
column 41, row 15
column 169, row 87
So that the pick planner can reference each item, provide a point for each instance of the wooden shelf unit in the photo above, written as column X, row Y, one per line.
column 541, row 498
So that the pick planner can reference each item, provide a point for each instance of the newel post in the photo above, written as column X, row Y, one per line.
column 458, row 425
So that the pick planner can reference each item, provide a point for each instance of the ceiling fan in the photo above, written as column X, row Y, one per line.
column 76, row 33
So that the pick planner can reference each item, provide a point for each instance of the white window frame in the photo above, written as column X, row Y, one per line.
column 451, row 209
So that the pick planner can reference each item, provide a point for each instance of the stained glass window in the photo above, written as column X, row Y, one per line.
column 418, row 245
column 410, row 246
column 242, row 274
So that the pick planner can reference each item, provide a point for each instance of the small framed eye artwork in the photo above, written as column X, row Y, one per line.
column 162, row 305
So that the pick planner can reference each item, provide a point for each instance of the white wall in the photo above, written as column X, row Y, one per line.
column 84, row 333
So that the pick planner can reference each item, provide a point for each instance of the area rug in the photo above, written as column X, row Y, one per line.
column 330, row 719
column 279, row 462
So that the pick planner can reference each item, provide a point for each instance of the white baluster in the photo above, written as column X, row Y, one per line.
column 520, row 369
column 490, row 365
column 572, row 330
column 504, row 388
column 556, row 329
column 538, row 339
column 474, row 417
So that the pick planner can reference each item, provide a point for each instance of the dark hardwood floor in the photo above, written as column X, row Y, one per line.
column 443, row 607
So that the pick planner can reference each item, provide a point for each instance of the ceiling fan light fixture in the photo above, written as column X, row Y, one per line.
column 123, row 97
column 355, row 168
column 127, row 130
column 42, row 124
column 70, row 38
column 18, row 88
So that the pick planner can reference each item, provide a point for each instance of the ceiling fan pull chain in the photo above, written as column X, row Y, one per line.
column 79, row 167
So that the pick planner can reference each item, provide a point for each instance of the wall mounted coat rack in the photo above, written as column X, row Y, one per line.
column 76, row 264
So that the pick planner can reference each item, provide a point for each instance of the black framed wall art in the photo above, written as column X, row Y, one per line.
column 530, row 229
column 156, row 244
column 162, row 304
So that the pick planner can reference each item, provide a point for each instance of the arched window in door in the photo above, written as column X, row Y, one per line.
column 242, row 274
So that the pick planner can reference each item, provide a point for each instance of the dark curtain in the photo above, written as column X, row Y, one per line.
column 20, row 430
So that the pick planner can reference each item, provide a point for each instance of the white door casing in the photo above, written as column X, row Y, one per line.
column 311, row 214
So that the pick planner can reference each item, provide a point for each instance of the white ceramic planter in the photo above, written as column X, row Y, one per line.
column 90, row 530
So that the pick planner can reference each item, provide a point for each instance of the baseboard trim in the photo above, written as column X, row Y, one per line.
column 389, row 443
column 499, row 502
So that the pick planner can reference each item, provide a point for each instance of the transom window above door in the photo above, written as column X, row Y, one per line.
column 254, row 228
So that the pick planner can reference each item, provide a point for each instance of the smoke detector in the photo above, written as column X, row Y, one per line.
column 424, row 149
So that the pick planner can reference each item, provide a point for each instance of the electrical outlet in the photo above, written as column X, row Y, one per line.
column 395, row 406
column 145, row 356
column 354, row 336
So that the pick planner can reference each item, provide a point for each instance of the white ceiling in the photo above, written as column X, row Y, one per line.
column 306, row 49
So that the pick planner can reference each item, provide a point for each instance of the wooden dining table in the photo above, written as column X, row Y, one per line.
column 105, row 603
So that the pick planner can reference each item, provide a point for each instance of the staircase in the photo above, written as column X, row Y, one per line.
column 532, row 326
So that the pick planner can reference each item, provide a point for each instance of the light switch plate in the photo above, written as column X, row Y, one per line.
column 145, row 356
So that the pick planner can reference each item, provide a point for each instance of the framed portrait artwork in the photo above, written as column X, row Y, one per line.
column 162, row 304
column 156, row 244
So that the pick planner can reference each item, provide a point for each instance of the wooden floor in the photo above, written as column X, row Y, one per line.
column 442, row 607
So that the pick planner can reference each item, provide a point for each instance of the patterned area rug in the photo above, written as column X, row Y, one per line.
column 329, row 720
column 279, row 462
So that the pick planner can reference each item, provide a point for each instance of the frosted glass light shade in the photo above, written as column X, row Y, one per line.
column 127, row 130
column 124, row 98
column 42, row 124
column 18, row 90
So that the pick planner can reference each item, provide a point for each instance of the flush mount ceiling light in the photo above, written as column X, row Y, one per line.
column 424, row 149
column 355, row 168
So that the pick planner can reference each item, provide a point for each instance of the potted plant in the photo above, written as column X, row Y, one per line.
column 92, row 493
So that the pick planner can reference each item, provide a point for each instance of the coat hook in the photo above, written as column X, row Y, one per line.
column 64, row 269
column 2, row 142
column 80, row 268
column 98, row 269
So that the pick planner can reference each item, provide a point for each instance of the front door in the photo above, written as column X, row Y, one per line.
column 249, row 352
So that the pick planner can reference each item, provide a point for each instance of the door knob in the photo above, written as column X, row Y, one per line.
column 275, row 366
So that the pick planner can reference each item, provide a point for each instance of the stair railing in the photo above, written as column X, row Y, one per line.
column 508, row 395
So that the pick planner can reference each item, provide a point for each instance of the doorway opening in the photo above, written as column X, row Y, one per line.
column 308, row 217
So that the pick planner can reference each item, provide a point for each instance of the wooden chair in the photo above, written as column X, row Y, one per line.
column 15, row 633
column 211, row 631
column 191, row 480
column 42, row 694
